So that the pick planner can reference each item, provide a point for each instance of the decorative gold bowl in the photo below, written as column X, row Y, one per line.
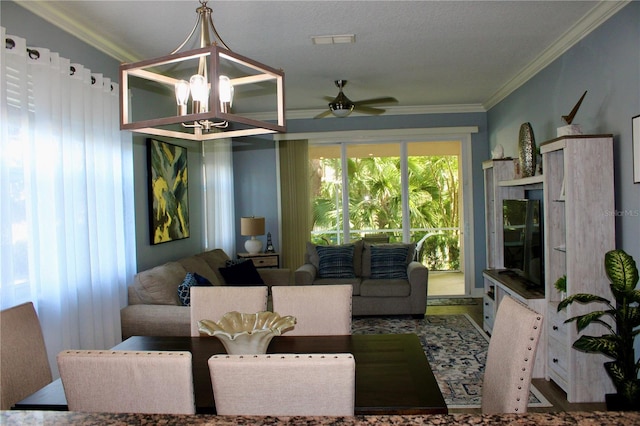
column 246, row 333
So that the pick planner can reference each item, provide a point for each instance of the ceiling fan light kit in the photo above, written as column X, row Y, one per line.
column 181, row 75
column 341, row 106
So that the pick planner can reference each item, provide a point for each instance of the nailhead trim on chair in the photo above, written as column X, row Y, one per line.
column 526, row 359
column 90, row 352
column 282, row 356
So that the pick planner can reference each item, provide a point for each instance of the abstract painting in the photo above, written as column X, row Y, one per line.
column 168, row 192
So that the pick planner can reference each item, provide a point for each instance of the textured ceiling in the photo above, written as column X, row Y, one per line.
column 430, row 55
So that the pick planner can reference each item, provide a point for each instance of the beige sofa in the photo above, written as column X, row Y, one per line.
column 154, row 306
column 372, row 295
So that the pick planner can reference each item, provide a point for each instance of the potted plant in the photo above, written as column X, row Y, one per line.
column 561, row 286
column 617, row 344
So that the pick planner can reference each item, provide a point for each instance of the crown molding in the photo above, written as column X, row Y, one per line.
column 592, row 20
column 47, row 11
column 380, row 135
column 301, row 114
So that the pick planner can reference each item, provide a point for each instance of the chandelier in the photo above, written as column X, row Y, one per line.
column 155, row 93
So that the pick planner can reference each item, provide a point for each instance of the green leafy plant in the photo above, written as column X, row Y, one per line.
column 617, row 344
column 561, row 284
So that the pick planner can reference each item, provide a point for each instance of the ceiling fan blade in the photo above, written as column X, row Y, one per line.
column 368, row 110
column 383, row 100
column 323, row 114
column 329, row 98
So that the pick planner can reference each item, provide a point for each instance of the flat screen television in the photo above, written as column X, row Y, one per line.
column 523, row 241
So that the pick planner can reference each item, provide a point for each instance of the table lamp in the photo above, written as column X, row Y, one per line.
column 252, row 226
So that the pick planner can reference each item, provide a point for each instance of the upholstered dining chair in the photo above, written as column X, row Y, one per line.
column 213, row 302
column 283, row 384
column 128, row 381
column 510, row 358
column 24, row 366
column 318, row 309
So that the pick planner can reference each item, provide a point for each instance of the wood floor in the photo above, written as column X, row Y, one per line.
column 550, row 390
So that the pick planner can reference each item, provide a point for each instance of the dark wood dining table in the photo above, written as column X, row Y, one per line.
column 393, row 375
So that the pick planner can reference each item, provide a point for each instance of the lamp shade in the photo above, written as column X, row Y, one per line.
column 250, row 226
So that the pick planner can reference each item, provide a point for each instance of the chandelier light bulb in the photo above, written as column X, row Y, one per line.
column 182, row 96
column 199, row 93
column 225, row 92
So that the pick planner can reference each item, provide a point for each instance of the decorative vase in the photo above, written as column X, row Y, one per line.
column 527, row 151
column 242, row 333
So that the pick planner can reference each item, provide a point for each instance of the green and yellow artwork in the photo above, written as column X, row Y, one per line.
column 168, row 192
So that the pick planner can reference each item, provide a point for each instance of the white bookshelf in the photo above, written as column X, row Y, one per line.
column 579, row 228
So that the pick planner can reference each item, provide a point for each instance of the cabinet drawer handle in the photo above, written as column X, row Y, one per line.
column 486, row 317
column 486, row 303
column 555, row 360
column 555, row 327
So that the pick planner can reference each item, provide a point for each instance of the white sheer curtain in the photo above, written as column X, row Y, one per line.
column 217, row 160
column 66, row 183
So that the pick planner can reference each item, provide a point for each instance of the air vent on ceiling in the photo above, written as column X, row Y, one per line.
column 334, row 39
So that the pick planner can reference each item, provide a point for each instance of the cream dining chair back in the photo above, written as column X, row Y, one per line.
column 213, row 302
column 128, row 381
column 318, row 309
column 24, row 366
column 283, row 384
column 510, row 358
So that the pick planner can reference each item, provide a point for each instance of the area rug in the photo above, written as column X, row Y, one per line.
column 452, row 301
column 456, row 349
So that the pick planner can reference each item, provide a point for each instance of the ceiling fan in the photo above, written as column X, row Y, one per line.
column 341, row 106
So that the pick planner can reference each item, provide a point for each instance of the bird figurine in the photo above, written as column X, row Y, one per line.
column 569, row 118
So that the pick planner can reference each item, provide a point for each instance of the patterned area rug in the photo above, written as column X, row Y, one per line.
column 449, row 301
column 456, row 349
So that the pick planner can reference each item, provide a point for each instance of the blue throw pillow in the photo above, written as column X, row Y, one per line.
column 389, row 261
column 202, row 281
column 191, row 279
column 336, row 261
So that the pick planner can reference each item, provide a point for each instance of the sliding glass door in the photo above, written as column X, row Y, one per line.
column 404, row 191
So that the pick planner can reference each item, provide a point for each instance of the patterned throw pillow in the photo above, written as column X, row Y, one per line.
column 191, row 279
column 336, row 261
column 389, row 261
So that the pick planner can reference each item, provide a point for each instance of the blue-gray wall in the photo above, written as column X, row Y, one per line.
column 255, row 183
column 606, row 63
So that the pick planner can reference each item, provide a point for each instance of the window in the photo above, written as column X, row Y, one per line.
column 406, row 191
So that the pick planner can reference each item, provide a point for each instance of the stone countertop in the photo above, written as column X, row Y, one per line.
column 530, row 419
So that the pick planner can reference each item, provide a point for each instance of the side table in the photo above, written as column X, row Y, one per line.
column 262, row 260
